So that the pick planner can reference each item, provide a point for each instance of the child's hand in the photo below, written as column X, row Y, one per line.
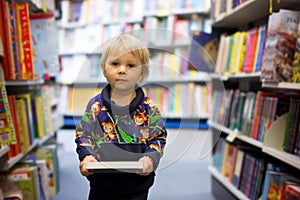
column 148, row 165
column 86, row 159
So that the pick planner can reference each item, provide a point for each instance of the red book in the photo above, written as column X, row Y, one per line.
column 16, row 147
column 5, row 35
column 24, row 34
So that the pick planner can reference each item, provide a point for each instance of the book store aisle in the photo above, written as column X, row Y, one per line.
column 182, row 173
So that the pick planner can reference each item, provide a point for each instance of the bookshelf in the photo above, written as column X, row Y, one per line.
column 149, row 16
column 28, row 114
column 268, row 146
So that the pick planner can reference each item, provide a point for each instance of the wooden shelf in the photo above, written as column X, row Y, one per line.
column 224, row 181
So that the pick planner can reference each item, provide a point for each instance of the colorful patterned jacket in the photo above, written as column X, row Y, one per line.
column 114, row 133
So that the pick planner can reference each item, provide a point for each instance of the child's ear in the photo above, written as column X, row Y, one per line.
column 104, row 73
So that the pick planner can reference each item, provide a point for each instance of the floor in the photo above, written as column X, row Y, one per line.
column 182, row 173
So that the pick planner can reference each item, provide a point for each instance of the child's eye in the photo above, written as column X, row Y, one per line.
column 114, row 63
column 131, row 65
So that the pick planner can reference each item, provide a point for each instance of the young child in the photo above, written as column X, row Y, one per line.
column 121, row 124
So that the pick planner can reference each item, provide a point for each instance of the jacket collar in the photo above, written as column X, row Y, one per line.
column 121, row 110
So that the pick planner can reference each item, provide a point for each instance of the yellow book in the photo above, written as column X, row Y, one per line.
column 40, row 117
column 177, row 101
column 234, row 51
column 241, row 52
column 23, row 124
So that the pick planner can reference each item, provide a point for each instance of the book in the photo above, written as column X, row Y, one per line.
column 44, row 44
column 26, row 179
column 5, row 34
column 251, row 42
column 273, row 184
column 296, row 60
column 15, row 42
column 49, row 153
column 114, row 166
column 24, row 36
column 27, row 115
column 203, row 52
column 290, row 191
column 15, row 148
column 280, row 46
column 237, row 172
column 7, row 134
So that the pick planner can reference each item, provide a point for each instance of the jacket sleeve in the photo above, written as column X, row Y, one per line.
column 85, row 133
column 157, row 137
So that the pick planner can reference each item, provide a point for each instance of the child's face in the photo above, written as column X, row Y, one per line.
column 123, row 72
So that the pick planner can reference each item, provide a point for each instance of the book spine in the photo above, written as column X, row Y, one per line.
column 15, row 41
column 5, row 34
column 24, row 35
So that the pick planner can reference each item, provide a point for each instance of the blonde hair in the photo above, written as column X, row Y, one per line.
column 126, row 43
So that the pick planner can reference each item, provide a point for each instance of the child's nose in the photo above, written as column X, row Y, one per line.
column 122, row 69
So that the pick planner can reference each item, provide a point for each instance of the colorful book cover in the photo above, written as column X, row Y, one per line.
column 273, row 184
column 296, row 61
column 280, row 46
column 203, row 52
column 238, row 167
column 26, row 178
column 7, row 134
column 44, row 44
column 24, row 36
column 49, row 153
column 291, row 191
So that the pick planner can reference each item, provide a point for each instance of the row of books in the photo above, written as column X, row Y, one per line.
column 241, row 51
column 182, row 100
column 269, row 48
column 243, row 168
column 253, row 174
column 175, row 100
column 252, row 114
column 86, row 12
column 220, row 8
column 153, row 31
column 165, row 7
column 175, row 64
column 30, row 48
column 26, row 117
column 170, row 65
column 34, row 178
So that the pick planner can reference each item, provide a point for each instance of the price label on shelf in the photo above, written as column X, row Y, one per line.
column 231, row 137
